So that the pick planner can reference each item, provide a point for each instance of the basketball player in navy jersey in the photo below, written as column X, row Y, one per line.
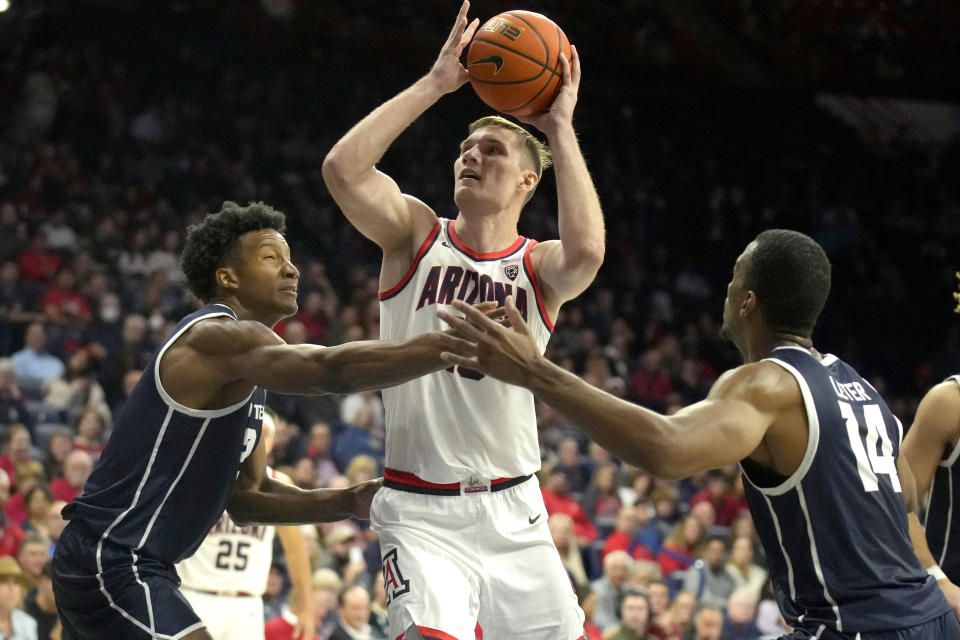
column 932, row 447
column 186, row 444
column 816, row 443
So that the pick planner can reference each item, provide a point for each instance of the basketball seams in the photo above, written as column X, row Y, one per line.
column 519, row 96
column 543, row 65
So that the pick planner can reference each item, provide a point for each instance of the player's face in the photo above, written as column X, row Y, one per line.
column 268, row 279
column 490, row 169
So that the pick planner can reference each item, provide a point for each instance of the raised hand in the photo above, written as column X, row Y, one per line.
column 447, row 72
column 479, row 342
column 561, row 111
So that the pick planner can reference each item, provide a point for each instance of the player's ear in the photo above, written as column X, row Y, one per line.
column 227, row 278
column 529, row 181
column 749, row 304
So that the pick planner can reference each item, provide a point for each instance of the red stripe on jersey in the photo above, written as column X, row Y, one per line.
column 434, row 634
column 459, row 244
column 401, row 636
column 408, row 478
column 422, row 251
column 528, row 266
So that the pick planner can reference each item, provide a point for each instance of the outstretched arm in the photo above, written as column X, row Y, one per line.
column 370, row 199
column 258, row 498
column 568, row 266
column 723, row 429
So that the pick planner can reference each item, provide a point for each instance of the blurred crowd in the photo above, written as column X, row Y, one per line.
column 115, row 137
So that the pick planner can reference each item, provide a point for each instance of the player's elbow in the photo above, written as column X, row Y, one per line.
column 336, row 168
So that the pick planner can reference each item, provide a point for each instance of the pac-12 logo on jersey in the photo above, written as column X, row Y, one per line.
column 511, row 271
column 393, row 581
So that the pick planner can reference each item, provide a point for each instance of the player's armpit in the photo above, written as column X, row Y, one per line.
column 935, row 430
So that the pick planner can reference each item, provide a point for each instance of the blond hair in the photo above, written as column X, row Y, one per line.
column 538, row 153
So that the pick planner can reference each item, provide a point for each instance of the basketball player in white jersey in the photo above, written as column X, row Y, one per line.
column 225, row 579
column 461, row 521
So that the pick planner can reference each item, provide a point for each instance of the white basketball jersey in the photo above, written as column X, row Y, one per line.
column 454, row 424
column 231, row 558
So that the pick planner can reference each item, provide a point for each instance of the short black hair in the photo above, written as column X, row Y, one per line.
column 790, row 273
column 214, row 242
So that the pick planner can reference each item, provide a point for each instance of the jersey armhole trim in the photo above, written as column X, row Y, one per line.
column 813, row 437
column 528, row 268
column 952, row 458
column 422, row 251
column 173, row 404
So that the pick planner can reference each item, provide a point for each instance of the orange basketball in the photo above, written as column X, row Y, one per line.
column 514, row 62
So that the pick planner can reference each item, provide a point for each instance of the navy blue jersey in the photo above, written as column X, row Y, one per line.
column 941, row 522
column 168, row 470
column 835, row 532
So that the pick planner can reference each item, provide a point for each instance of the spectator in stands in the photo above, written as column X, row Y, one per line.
column 14, row 622
column 77, row 388
column 16, row 307
column 740, row 620
column 644, row 573
column 273, row 597
column 639, row 486
column 680, row 549
column 658, row 597
column 59, row 445
column 707, row 624
column 708, row 579
column 13, row 408
column 624, row 534
column 318, row 450
column 62, row 304
column 134, row 353
column 557, row 498
column 11, row 535
column 345, row 557
column 39, row 603
column 609, row 589
column 718, row 493
column 38, row 264
column 105, row 332
column 76, row 469
column 588, row 604
column 326, row 593
column 27, row 475
column 666, row 502
column 90, row 426
column 365, row 413
column 282, row 627
column 37, row 501
column 678, row 618
column 17, row 449
column 130, row 380
column 650, row 385
column 34, row 365
column 601, row 500
column 313, row 317
column 561, row 531
column 635, row 618
column 34, row 552
column 354, row 613
column 13, row 233
column 378, row 606
column 742, row 568
column 568, row 461
column 61, row 238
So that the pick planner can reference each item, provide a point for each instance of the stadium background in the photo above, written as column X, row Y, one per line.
column 702, row 122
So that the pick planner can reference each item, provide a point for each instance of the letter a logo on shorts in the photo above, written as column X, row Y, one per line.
column 393, row 581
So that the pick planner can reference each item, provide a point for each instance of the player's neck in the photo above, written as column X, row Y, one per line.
column 486, row 234
column 243, row 312
column 762, row 344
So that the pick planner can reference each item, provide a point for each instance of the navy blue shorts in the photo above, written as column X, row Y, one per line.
column 106, row 591
column 943, row 628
